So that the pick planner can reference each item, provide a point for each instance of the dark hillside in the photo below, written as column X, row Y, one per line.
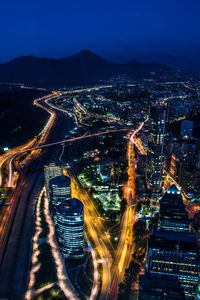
column 20, row 120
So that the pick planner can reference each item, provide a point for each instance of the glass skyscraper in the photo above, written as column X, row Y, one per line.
column 154, row 163
column 172, row 250
column 59, row 190
column 51, row 170
column 70, row 228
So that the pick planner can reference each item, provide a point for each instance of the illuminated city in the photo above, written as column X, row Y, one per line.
column 99, row 169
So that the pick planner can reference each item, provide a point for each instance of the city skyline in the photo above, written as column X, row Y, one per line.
column 100, row 150
column 96, row 145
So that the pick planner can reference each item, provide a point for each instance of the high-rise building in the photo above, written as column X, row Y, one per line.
column 175, row 254
column 159, row 287
column 173, row 216
column 186, row 129
column 70, row 228
column 154, row 163
column 59, row 190
column 51, row 170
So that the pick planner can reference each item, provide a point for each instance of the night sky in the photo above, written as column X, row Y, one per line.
column 143, row 30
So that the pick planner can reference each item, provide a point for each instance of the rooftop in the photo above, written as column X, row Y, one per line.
column 60, row 181
column 173, row 240
column 70, row 206
column 53, row 162
column 172, row 208
column 160, row 286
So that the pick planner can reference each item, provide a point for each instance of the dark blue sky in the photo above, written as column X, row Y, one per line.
column 118, row 30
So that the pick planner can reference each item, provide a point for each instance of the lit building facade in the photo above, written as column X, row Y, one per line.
column 70, row 228
column 174, row 165
column 175, row 254
column 51, row 170
column 173, row 216
column 154, row 163
column 59, row 190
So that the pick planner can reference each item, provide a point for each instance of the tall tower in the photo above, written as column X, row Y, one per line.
column 154, row 163
column 59, row 190
column 172, row 251
column 70, row 228
column 51, row 170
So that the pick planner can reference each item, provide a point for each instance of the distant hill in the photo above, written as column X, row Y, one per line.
column 82, row 68
column 186, row 64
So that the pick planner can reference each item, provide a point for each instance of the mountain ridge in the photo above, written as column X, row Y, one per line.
column 85, row 67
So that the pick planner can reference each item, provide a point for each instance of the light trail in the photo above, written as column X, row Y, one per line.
column 98, row 116
column 12, row 152
column 143, row 152
column 87, row 89
column 124, row 252
column 62, row 110
column 36, row 264
column 63, row 280
column 96, row 231
column 7, row 216
column 10, row 177
column 47, row 127
column 97, row 234
column 70, row 140
column 95, row 286
column 135, row 141
column 125, row 245
column 78, row 138
column 81, row 110
column 80, row 193
column 173, row 181
column 137, row 130
column 45, row 288
column 1, row 164
column 35, row 249
column 42, row 136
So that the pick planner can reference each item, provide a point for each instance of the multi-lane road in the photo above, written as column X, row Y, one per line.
column 114, row 261
column 97, row 232
column 13, row 157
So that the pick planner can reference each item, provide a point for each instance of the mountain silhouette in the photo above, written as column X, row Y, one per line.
column 84, row 67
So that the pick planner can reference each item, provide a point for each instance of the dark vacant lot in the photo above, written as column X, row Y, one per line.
column 20, row 120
